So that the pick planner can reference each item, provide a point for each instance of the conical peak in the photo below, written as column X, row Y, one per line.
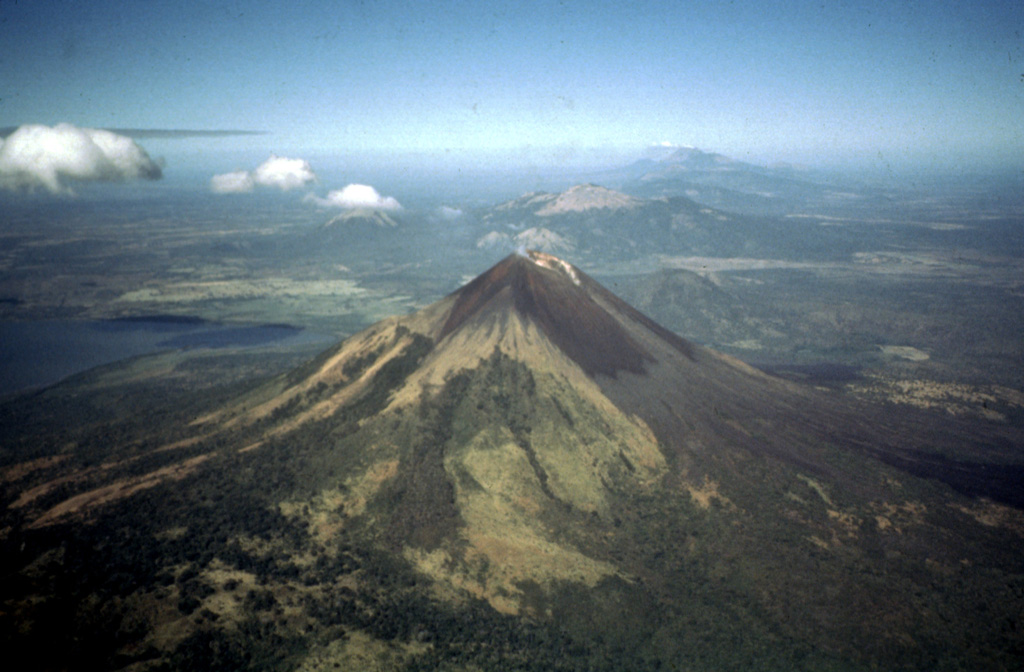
column 560, row 300
column 514, row 269
column 513, row 278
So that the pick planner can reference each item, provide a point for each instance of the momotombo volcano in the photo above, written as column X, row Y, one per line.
column 527, row 474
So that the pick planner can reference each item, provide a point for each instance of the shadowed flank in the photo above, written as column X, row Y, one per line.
column 675, row 340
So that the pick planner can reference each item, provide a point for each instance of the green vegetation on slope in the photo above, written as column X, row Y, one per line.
column 249, row 564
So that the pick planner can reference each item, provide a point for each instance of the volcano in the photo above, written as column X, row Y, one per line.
column 530, row 473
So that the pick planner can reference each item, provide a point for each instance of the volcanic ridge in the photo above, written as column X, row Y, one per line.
column 580, row 198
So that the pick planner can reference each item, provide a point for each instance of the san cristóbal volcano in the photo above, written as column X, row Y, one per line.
column 530, row 474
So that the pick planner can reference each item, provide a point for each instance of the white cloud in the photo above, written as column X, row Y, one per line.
column 277, row 172
column 494, row 240
column 283, row 173
column 239, row 182
column 37, row 156
column 533, row 239
column 449, row 214
column 357, row 196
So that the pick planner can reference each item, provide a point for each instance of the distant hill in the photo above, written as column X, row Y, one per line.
column 700, row 307
column 580, row 198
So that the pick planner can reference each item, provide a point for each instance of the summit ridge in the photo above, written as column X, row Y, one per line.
column 577, row 199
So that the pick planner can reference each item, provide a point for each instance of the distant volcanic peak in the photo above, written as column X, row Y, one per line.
column 553, row 295
column 362, row 215
column 581, row 198
column 532, row 199
column 587, row 197
column 691, row 157
column 686, row 152
column 539, row 238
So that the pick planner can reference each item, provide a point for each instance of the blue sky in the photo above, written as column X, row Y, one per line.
column 815, row 83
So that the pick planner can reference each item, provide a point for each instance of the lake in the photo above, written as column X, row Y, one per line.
column 37, row 354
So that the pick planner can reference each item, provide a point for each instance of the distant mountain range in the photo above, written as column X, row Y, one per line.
column 720, row 182
column 602, row 224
